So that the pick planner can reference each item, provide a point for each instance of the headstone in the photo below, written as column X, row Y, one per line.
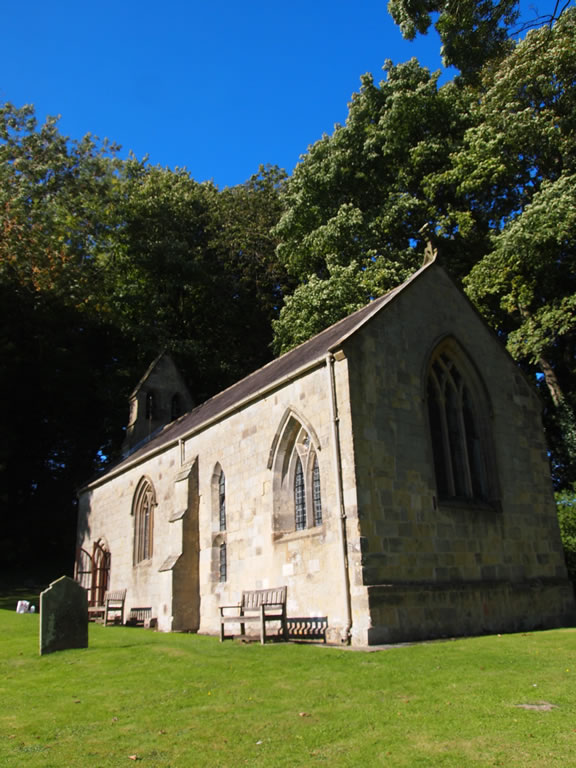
column 63, row 616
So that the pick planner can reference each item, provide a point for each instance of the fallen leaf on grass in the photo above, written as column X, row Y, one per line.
column 133, row 757
column 304, row 714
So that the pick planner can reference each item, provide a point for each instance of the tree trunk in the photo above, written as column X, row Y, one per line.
column 551, row 381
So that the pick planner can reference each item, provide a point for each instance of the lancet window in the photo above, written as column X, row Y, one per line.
column 143, row 512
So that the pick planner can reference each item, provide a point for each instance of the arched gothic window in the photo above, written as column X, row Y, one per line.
column 297, row 487
column 458, row 417
column 143, row 512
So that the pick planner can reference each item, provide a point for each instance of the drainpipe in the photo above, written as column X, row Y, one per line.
column 335, row 420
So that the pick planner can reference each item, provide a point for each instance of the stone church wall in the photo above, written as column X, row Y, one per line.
column 261, row 552
column 186, row 594
column 105, row 512
column 434, row 568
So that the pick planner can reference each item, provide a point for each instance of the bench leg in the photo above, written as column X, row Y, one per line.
column 262, row 626
column 221, row 631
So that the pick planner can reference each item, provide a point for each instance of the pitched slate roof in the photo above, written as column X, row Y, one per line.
column 291, row 364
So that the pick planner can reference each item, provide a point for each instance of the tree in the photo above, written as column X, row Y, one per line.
column 63, row 369
column 517, row 170
column 362, row 196
column 64, row 383
column 474, row 33
column 566, row 505
column 104, row 263
column 56, row 205
column 319, row 303
column 193, row 270
column 248, row 214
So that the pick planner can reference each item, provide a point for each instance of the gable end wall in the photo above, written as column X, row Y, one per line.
column 432, row 569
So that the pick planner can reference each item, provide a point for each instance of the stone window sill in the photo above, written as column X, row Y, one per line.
column 281, row 536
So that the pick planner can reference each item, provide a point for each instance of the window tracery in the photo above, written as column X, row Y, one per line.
column 143, row 512
column 457, row 412
column 297, row 486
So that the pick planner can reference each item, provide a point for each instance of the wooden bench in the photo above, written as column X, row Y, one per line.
column 257, row 605
column 141, row 617
column 113, row 605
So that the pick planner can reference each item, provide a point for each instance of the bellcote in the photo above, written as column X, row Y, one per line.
column 161, row 396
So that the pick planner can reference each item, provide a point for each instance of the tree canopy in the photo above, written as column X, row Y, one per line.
column 362, row 196
column 472, row 32
column 517, row 166
column 103, row 264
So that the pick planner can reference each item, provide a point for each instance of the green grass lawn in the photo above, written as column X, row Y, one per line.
column 181, row 701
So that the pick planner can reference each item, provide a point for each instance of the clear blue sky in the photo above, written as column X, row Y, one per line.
column 216, row 87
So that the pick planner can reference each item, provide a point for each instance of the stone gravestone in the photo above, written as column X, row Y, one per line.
column 63, row 616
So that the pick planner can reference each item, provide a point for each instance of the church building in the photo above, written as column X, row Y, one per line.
column 391, row 472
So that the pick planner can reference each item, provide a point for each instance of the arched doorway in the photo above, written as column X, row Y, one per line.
column 92, row 571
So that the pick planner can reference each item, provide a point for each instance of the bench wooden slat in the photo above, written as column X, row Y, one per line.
column 264, row 604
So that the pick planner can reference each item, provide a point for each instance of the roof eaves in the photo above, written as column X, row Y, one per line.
column 147, row 452
column 154, row 447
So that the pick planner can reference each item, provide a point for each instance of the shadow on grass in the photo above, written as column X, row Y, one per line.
column 111, row 641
